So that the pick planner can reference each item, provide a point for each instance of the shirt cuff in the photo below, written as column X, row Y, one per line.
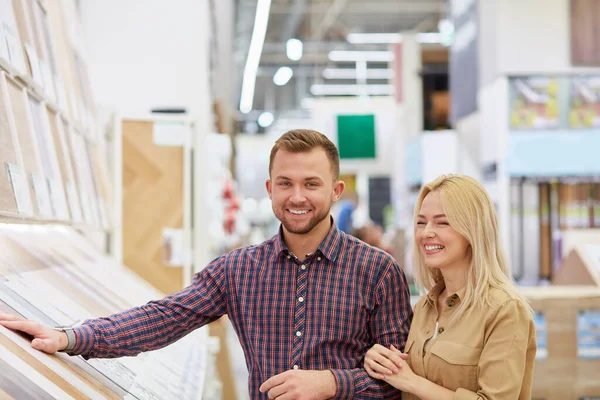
column 464, row 394
column 345, row 383
column 84, row 339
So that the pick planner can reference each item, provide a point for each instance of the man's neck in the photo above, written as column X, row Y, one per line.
column 302, row 245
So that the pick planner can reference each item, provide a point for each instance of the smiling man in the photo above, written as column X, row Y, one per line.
column 306, row 304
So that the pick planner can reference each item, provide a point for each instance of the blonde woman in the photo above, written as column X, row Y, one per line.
column 472, row 336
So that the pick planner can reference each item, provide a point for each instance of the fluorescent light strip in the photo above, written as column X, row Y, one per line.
column 383, row 38
column 283, row 76
column 261, row 21
column 293, row 49
column 352, row 90
column 342, row 55
column 364, row 38
column 350, row 73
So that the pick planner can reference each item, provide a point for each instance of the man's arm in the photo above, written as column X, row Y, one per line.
column 390, row 323
column 145, row 328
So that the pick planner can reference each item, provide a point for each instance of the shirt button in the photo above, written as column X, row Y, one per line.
column 288, row 257
column 295, row 367
column 454, row 296
column 303, row 266
column 298, row 333
column 318, row 258
column 301, row 299
column 450, row 303
column 441, row 330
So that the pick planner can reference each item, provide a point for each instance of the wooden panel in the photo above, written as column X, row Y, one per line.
column 20, row 110
column 152, row 200
column 63, row 55
column 7, row 155
column 24, row 28
column 585, row 32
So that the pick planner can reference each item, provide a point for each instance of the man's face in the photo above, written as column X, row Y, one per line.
column 302, row 189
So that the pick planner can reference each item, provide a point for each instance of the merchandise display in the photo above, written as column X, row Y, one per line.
column 77, row 283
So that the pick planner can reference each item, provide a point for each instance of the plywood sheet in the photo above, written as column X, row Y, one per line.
column 24, row 30
column 7, row 155
column 152, row 200
column 21, row 114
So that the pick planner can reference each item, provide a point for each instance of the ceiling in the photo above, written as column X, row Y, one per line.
column 322, row 25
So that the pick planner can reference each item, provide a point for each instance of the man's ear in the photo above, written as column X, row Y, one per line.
column 268, row 186
column 338, row 189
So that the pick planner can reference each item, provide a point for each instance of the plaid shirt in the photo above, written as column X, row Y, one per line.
column 322, row 313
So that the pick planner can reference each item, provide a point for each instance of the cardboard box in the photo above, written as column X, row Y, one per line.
column 581, row 266
column 568, row 336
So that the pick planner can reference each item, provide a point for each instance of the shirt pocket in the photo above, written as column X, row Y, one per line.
column 454, row 365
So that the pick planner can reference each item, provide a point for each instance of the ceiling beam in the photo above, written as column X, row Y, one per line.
column 395, row 7
column 332, row 14
column 290, row 27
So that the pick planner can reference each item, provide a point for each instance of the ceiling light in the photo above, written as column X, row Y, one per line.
column 351, row 90
column 257, row 41
column 342, row 55
column 293, row 49
column 266, row 119
column 350, row 73
column 363, row 38
column 445, row 26
column 282, row 76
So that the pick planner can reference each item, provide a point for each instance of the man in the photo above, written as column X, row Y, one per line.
column 306, row 304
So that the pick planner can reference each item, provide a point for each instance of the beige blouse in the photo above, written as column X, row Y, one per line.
column 488, row 354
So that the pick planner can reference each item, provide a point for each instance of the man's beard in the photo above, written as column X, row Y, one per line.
column 305, row 227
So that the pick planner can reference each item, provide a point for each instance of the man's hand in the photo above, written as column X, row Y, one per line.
column 45, row 339
column 300, row 385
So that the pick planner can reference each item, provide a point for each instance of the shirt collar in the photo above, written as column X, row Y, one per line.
column 439, row 287
column 329, row 246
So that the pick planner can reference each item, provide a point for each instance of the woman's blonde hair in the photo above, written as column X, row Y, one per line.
column 471, row 213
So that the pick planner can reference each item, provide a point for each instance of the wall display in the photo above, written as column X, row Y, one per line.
column 11, row 52
column 584, row 111
column 8, row 154
column 534, row 102
column 72, row 186
column 78, row 283
column 28, row 148
column 47, row 156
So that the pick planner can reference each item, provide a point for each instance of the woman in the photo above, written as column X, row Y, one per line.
column 472, row 335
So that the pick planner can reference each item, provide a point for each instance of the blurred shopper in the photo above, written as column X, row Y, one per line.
column 372, row 234
column 472, row 335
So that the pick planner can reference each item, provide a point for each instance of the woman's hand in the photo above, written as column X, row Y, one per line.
column 405, row 379
column 381, row 362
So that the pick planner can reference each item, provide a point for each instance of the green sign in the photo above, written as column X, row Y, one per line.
column 356, row 136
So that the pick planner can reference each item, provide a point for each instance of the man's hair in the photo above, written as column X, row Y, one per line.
column 305, row 140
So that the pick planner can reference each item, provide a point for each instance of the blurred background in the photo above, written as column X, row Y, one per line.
column 143, row 129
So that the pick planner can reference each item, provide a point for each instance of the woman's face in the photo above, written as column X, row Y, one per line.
column 440, row 245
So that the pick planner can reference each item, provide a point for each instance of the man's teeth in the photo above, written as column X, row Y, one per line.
column 298, row 212
column 434, row 247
